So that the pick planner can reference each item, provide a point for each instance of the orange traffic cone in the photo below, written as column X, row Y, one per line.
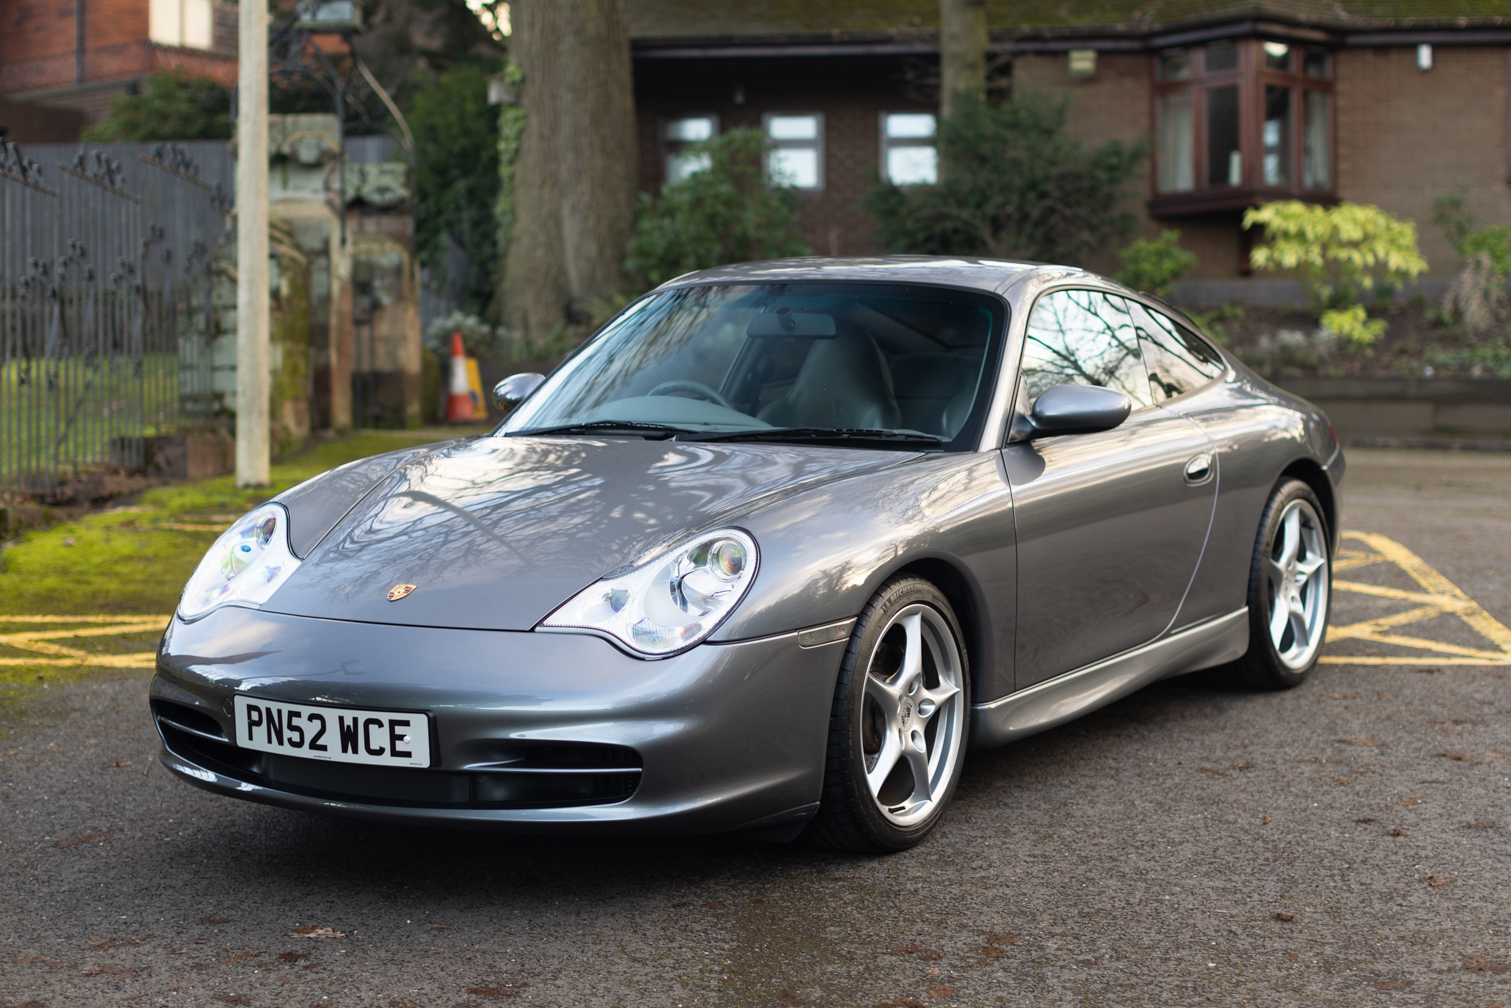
column 459, row 407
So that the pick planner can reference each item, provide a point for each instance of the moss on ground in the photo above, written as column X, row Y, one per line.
column 134, row 559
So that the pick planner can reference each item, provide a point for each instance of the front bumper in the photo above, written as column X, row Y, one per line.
column 721, row 737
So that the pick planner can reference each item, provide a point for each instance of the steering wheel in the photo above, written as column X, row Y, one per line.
column 698, row 389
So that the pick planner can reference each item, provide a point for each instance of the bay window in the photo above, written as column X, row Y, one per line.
column 1239, row 121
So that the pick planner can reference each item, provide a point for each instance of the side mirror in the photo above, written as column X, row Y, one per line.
column 515, row 387
column 1078, row 409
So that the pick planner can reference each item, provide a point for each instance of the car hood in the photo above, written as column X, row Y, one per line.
column 495, row 533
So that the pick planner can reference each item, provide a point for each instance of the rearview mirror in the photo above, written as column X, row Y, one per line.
column 796, row 325
column 515, row 387
column 1078, row 409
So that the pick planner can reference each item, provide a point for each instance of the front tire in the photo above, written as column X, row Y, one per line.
column 898, row 725
column 1290, row 590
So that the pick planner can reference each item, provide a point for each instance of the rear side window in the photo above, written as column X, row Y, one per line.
column 1083, row 337
column 1178, row 361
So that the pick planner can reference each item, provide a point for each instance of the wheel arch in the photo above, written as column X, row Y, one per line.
column 964, row 596
column 1313, row 475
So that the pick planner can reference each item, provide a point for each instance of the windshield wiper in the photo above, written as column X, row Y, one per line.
column 646, row 430
column 821, row 435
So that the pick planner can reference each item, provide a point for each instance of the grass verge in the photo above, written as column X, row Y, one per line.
column 132, row 561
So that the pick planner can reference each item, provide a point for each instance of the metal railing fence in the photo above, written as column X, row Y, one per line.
column 106, row 319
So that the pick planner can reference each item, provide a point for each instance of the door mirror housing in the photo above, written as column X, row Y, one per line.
column 1074, row 409
column 515, row 387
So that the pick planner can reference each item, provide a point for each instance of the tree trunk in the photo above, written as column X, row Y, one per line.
column 535, row 283
column 962, row 51
column 576, row 173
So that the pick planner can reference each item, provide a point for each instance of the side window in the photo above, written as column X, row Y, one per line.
column 1178, row 360
column 1083, row 337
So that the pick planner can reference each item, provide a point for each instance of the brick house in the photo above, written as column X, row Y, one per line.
column 1389, row 102
column 77, row 54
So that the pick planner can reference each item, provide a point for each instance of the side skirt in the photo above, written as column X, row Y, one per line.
column 1055, row 701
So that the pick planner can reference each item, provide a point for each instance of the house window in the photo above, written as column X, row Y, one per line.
column 796, row 154
column 189, row 23
column 677, row 136
column 1240, row 120
column 908, row 154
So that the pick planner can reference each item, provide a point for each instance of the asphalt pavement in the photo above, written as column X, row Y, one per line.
column 1344, row 843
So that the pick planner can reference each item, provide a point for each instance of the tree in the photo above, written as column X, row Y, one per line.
column 962, row 52
column 1341, row 253
column 1154, row 265
column 1016, row 187
column 170, row 106
column 725, row 213
column 574, row 179
column 456, row 179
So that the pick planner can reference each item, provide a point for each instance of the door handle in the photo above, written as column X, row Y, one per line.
column 1199, row 469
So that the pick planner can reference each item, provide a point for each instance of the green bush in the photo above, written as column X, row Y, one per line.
column 1154, row 265
column 728, row 212
column 456, row 178
column 1468, row 240
column 1477, row 298
column 1340, row 253
column 169, row 106
column 1352, row 325
column 1012, row 185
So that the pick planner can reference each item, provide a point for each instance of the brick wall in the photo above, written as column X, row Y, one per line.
column 850, row 92
column 110, row 21
column 1405, row 136
column 35, row 28
column 24, row 122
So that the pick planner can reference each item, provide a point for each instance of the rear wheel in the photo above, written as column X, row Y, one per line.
column 1290, row 590
column 898, row 726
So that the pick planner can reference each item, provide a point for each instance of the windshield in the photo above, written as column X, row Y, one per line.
column 773, row 357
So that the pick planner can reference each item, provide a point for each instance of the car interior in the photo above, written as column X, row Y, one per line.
column 873, row 358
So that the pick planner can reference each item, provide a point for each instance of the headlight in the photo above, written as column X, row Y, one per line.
column 671, row 603
column 246, row 565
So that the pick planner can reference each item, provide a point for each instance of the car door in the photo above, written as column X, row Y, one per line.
column 1110, row 525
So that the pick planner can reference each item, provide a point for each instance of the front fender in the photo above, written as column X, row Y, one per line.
column 824, row 553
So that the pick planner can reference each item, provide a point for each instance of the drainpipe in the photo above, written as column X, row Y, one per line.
column 78, row 41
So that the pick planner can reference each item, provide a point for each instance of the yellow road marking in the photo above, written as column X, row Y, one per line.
column 1441, row 598
column 48, row 653
column 161, row 620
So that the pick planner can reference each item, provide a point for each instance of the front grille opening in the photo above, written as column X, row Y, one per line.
column 187, row 719
column 546, row 780
column 533, row 754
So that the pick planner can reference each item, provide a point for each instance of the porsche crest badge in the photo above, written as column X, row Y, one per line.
column 398, row 591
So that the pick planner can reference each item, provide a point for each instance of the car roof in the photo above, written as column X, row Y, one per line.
column 956, row 271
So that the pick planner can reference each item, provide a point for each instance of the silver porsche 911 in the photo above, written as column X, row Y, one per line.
column 765, row 555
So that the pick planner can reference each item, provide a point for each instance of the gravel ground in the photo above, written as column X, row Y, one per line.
column 1344, row 843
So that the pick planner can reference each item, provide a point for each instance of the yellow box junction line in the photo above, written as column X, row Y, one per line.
column 43, row 642
column 1440, row 597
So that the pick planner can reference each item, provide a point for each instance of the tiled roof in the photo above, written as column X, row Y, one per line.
column 716, row 19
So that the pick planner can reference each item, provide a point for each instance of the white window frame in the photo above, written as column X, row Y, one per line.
column 671, row 146
column 816, row 145
column 888, row 142
column 168, row 21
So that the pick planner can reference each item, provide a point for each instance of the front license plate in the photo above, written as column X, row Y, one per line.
column 340, row 734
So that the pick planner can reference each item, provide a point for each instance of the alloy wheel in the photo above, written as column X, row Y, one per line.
column 912, row 715
column 1298, row 582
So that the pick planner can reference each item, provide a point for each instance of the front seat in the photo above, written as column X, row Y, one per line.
column 934, row 392
column 844, row 382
